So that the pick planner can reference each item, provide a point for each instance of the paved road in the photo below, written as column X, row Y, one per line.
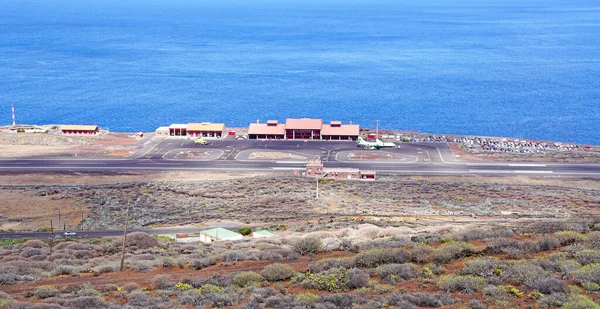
column 231, row 155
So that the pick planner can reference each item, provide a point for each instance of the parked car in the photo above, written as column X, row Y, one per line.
column 69, row 234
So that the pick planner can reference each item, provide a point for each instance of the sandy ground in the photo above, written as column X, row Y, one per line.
column 40, row 144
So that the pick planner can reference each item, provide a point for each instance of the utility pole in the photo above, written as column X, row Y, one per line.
column 377, row 130
column 125, row 237
column 13, row 115
column 51, row 238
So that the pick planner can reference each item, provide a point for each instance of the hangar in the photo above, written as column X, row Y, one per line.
column 335, row 130
column 270, row 130
column 205, row 129
column 80, row 129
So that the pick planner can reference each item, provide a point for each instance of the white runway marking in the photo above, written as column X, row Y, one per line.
column 535, row 172
column 526, row 164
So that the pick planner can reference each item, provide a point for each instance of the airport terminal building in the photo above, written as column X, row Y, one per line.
column 204, row 129
column 304, row 129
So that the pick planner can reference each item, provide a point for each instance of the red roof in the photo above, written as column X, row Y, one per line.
column 263, row 129
column 303, row 124
column 342, row 130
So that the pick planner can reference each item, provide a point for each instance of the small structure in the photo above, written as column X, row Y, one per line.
column 270, row 130
column 205, row 129
column 263, row 234
column 216, row 234
column 178, row 129
column 80, row 129
column 162, row 131
column 314, row 168
column 335, row 130
column 303, row 128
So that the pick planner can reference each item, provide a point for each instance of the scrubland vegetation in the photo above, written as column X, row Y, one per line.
column 550, row 264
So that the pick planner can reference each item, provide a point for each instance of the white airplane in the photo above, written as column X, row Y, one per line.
column 377, row 144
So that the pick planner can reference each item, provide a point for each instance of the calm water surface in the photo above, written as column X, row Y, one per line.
column 526, row 69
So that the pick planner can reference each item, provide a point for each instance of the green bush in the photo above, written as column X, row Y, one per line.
column 277, row 272
column 162, row 281
column 452, row 251
column 325, row 264
column 308, row 245
column 247, row 278
column 375, row 257
column 523, row 272
column 580, row 302
column 588, row 273
column 45, row 291
column 569, row 237
column 466, row 284
column 245, row 231
column 588, row 256
column 306, row 299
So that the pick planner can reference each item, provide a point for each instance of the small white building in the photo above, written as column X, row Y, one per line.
column 162, row 131
column 216, row 234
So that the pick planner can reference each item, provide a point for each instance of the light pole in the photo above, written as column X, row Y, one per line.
column 377, row 130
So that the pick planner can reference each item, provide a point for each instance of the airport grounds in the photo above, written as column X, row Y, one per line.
column 408, row 241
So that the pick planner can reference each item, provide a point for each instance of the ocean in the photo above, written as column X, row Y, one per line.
column 525, row 69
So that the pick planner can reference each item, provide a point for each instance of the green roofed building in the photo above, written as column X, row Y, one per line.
column 262, row 233
column 219, row 234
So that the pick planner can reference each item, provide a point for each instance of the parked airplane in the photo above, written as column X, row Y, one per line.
column 377, row 144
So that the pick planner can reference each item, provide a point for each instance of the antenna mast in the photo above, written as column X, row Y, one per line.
column 13, row 114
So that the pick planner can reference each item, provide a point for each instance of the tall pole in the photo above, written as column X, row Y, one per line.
column 13, row 115
column 317, row 186
column 377, row 130
column 125, row 237
column 51, row 238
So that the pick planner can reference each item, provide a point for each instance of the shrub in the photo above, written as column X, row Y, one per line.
column 473, row 234
column 277, row 272
column 357, row 278
column 382, row 288
column 466, row 284
column 375, row 257
column 160, row 282
column 326, row 264
column 333, row 280
column 339, row 300
column 580, row 302
column 588, row 273
column 131, row 286
column 481, row 266
column 45, row 291
column 306, row 299
column 475, row 304
column 34, row 243
column 141, row 240
column 546, row 243
column 523, row 272
column 27, row 253
column 65, row 270
column 435, row 300
column 452, row 251
column 548, row 285
column 307, row 245
column 245, row 231
column 567, row 238
column 499, row 245
column 106, row 268
column 591, row 286
column 140, row 299
column 588, row 256
column 247, row 278
column 203, row 262
column 279, row 301
column 394, row 273
column 87, row 302
column 421, row 254
column 234, row 256
column 397, row 299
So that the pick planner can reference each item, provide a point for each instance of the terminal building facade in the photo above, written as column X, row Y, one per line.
column 304, row 129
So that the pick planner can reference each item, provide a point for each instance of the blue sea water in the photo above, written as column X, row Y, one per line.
column 527, row 69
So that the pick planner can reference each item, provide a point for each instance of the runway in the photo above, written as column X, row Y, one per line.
column 232, row 156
